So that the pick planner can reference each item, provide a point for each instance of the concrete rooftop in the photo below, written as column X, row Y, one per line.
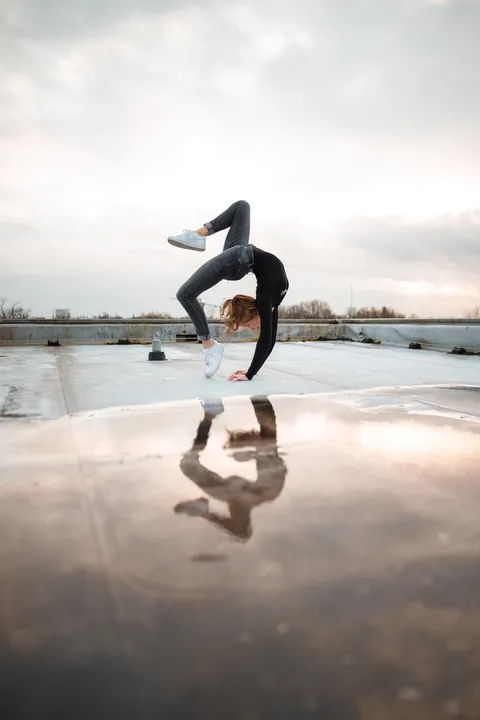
column 43, row 382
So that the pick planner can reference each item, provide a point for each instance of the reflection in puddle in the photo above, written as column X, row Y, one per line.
column 209, row 557
column 413, row 439
column 240, row 495
column 430, row 405
column 356, row 599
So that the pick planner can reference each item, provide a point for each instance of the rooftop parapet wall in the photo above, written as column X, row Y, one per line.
column 436, row 334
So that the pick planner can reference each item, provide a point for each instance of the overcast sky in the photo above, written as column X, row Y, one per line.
column 351, row 127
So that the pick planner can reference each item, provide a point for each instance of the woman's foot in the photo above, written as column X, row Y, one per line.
column 212, row 358
column 194, row 508
column 213, row 406
column 188, row 240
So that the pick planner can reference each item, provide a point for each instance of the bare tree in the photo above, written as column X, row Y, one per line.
column 153, row 314
column 374, row 312
column 305, row 310
column 474, row 312
column 13, row 311
column 106, row 316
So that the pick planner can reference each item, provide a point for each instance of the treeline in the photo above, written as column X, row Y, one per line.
column 13, row 311
column 304, row 310
column 375, row 312
column 320, row 309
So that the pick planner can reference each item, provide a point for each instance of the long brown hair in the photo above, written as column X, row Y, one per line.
column 237, row 311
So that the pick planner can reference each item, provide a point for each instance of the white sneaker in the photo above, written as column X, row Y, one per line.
column 212, row 358
column 213, row 406
column 194, row 508
column 189, row 240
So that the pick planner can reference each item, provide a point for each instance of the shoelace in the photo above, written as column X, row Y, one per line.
column 208, row 356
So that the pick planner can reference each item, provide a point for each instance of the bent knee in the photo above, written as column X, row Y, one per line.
column 182, row 294
column 243, row 204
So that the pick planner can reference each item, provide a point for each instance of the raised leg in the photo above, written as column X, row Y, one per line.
column 237, row 218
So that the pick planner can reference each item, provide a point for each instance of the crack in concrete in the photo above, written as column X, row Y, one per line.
column 9, row 402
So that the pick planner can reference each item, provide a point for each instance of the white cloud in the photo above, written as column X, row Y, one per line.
column 136, row 120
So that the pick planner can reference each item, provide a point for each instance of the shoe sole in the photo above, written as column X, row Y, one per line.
column 184, row 246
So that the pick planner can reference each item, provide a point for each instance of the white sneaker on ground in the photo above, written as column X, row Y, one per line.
column 189, row 240
column 212, row 358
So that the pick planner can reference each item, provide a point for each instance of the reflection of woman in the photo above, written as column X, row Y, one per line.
column 240, row 494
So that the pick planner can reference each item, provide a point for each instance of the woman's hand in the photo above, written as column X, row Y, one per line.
column 238, row 376
column 237, row 372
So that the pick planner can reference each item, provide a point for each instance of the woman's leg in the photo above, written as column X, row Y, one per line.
column 229, row 265
column 207, row 275
column 237, row 218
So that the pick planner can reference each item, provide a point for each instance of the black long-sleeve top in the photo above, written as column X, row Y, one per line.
column 272, row 286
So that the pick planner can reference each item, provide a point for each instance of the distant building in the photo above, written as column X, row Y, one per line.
column 62, row 314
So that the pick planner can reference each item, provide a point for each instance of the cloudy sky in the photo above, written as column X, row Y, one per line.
column 351, row 127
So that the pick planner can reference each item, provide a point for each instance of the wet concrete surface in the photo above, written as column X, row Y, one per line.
column 280, row 557
column 47, row 382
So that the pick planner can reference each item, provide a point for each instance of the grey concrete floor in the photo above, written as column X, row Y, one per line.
column 41, row 382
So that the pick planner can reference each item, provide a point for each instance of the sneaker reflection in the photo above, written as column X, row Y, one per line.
column 240, row 495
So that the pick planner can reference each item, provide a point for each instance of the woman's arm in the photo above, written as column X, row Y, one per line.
column 274, row 330
column 266, row 341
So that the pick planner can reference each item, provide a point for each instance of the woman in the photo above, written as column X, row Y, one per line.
column 241, row 496
column 241, row 311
